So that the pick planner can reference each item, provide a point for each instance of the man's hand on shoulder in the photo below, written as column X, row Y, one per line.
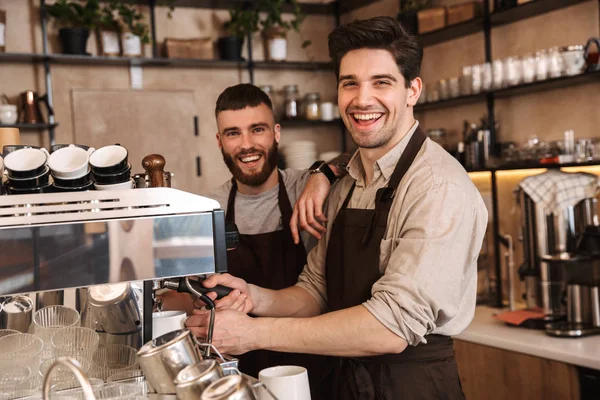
column 308, row 210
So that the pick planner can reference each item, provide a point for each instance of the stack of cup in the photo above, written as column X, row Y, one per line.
column 27, row 169
column 70, row 169
column 110, row 168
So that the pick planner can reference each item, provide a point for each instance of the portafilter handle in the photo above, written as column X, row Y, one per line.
column 154, row 164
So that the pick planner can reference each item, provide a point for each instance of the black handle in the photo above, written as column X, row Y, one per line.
column 220, row 290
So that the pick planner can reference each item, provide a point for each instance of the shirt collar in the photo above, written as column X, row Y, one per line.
column 385, row 164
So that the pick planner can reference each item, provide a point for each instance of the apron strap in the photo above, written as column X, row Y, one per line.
column 384, row 196
column 230, row 213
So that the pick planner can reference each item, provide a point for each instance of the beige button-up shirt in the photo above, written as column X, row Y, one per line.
column 428, row 256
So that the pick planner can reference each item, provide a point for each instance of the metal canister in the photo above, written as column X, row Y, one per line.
column 194, row 379
column 164, row 357
column 232, row 387
column 17, row 312
column 112, row 308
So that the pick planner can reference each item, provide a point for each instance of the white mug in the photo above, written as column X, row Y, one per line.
column 574, row 62
column 287, row 382
column 167, row 321
column 70, row 162
column 327, row 111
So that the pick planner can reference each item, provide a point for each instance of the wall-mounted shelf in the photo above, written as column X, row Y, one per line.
column 529, row 10
column 525, row 166
column 457, row 101
column 324, row 9
column 30, row 127
column 294, row 65
column 523, row 11
column 70, row 59
column 527, row 88
column 452, row 32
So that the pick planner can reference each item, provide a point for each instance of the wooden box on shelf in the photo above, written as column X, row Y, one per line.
column 463, row 12
column 432, row 19
column 200, row 48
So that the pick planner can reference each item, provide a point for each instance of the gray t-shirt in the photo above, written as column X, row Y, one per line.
column 260, row 214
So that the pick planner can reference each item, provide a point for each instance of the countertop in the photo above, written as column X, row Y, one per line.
column 486, row 330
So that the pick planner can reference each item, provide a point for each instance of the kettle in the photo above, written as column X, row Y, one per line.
column 29, row 112
column 592, row 59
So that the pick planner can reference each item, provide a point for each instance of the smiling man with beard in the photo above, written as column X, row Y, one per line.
column 395, row 276
column 259, row 200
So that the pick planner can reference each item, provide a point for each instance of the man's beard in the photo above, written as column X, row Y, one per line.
column 259, row 177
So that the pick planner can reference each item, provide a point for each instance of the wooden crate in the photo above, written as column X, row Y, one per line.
column 432, row 19
column 464, row 12
column 199, row 48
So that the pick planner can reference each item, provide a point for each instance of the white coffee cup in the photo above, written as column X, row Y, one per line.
column 70, row 162
column 574, row 62
column 327, row 111
column 116, row 186
column 8, row 114
column 167, row 321
column 287, row 382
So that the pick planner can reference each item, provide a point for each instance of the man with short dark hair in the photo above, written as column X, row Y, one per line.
column 259, row 200
column 396, row 274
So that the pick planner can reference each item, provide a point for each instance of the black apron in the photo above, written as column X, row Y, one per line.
column 426, row 371
column 272, row 260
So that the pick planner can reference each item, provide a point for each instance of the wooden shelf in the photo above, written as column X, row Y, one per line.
column 529, row 10
column 528, row 88
column 519, row 166
column 30, row 127
column 475, row 98
column 325, row 9
column 452, row 32
column 294, row 65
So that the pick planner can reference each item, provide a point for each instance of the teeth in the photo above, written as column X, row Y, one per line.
column 249, row 159
column 367, row 117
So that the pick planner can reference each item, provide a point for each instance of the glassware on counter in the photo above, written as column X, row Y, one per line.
column 327, row 113
column 528, row 65
column 573, row 59
column 477, row 83
column 312, row 106
column 512, row 71
column 291, row 101
column 497, row 74
column 541, row 65
column 443, row 89
column 555, row 63
column 486, row 77
column 454, row 87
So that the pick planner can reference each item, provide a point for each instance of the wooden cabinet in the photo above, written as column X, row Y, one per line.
column 494, row 374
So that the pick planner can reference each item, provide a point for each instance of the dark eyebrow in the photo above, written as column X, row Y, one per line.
column 259, row 125
column 384, row 76
column 347, row 77
column 232, row 129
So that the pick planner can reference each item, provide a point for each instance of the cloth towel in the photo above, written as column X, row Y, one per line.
column 556, row 190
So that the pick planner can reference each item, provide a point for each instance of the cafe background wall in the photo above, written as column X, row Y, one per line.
column 545, row 114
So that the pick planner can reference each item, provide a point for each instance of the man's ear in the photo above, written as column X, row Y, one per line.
column 219, row 141
column 277, row 130
column 414, row 91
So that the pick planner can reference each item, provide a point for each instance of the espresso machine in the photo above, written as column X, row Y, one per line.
column 107, row 240
column 559, row 213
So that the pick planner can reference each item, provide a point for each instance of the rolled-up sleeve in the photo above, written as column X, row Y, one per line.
column 429, row 263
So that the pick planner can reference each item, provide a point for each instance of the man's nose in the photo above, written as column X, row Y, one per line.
column 246, row 141
column 364, row 96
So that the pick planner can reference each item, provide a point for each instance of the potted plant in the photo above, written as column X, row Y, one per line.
column 136, row 32
column 241, row 23
column 75, row 20
column 109, row 30
column 408, row 14
column 274, row 28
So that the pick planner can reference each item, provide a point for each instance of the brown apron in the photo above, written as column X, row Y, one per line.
column 427, row 371
column 272, row 260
